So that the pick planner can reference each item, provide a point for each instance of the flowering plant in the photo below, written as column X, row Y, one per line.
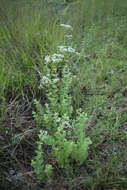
column 61, row 133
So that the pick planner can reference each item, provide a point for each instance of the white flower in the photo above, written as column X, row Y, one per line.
column 44, row 81
column 77, row 53
column 46, row 105
column 57, row 58
column 58, row 119
column 67, row 124
column 68, row 36
column 54, row 58
column 71, row 50
column 68, row 49
column 55, row 80
column 62, row 48
column 47, row 59
column 43, row 132
column 66, row 26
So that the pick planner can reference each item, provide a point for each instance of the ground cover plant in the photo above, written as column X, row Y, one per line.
column 63, row 95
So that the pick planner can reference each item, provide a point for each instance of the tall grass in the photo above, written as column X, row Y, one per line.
column 26, row 37
column 97, row 19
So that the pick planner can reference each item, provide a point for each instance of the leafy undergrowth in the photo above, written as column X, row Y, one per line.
column 99, row 88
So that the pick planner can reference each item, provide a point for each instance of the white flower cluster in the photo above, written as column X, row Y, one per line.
column 55, row 58
column 58, row 57
column 43, row 132
column 67, row 49
column 47, row 59
column 58, row 120
column 65, row 123
column 66, row 26
column 68, row 36
column 44, row 81
column 55, row 80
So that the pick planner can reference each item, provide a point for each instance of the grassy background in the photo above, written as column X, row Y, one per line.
column 31, row 30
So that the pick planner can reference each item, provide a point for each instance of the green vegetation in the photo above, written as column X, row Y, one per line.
column 62, row 130
column 61, row 88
